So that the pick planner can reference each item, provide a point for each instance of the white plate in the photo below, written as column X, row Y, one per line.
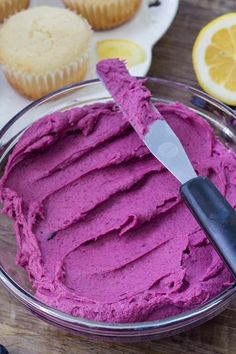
column 146, row 28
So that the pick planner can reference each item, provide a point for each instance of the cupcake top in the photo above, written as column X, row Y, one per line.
column 43, row 39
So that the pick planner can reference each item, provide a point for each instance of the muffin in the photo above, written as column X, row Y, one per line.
column 43, row 49
column 9, row 7
column 104, row 14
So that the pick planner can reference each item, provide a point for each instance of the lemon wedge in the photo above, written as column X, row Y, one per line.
column 122, row 49
column 214, row 58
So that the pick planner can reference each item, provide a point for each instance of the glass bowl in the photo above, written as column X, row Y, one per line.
column 14, row 278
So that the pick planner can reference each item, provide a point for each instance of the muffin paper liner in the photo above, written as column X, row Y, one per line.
column 10, row 7
column 105, row 14
column 34, row 86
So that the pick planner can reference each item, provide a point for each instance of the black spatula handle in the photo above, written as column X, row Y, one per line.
column 215, row 215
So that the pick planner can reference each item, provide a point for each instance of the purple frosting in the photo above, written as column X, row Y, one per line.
column 100, row 226
column 129, row 93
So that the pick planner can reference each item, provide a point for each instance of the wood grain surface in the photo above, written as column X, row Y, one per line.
column 22, row 333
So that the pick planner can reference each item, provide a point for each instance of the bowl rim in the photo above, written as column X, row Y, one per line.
column 120, row 329
column 171, row 323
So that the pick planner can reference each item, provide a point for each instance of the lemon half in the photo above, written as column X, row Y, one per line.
column 214, row 58
column 122, row 49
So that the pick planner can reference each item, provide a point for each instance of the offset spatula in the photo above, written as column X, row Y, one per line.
column 214, row 214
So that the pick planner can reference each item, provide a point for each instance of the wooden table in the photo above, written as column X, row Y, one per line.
column 24, row 334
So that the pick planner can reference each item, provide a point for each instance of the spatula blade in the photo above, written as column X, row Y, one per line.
column 166, row 147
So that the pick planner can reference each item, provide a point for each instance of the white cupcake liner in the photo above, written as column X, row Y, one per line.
column 34, row 86
column 105, row 14
column 10, row 7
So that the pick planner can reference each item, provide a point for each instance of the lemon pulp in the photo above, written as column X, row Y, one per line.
column 127, row 50
column 214, row 58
